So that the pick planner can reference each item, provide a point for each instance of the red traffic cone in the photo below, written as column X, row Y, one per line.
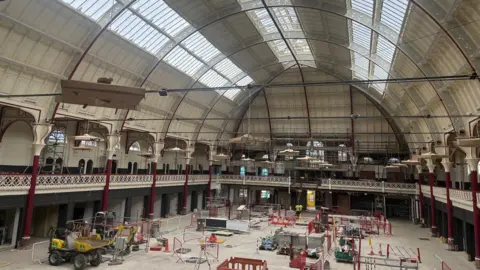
column 380, row 251
column 371, row 251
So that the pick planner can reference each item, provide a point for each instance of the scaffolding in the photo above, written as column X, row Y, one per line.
column 54, row 155
column 214, row 204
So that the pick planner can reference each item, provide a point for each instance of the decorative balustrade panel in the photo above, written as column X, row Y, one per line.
column 440, row 192
column 460, row 195
column 198, row 177
column 15, row 182
column 409, row 186
column 171, row 178
column 64, row 181
column 130, row 178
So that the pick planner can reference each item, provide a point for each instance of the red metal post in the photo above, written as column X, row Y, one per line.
column 30, row 197
column 185, row 189
column 448, row 183
column 431, row 180
column 209, row 191
column 476, row 218
column 108, row 174
column 153, row 189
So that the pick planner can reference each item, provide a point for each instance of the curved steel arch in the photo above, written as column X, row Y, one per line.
column 393, row 125
column 313, row 8
column 307, row 38
column 294, row 58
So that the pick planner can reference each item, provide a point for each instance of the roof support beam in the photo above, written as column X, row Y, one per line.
column 294, row 58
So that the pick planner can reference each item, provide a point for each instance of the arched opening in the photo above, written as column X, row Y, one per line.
column 81, row 166
column 135, row 168
column 89, row 167
column 135, row 147
column 48, row 167
column 58, row 168
column 17, row 139
column 130, row 167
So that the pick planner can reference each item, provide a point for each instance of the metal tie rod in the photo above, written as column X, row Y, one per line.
column 164, row 91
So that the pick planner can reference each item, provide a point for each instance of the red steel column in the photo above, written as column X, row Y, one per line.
column 209, row 191
column 448, row 183
column 153, row 189
column 185, row 187
column 431, row 182
column 108, row 174
column 473, row 163
column 40, row 132
column 30, row 197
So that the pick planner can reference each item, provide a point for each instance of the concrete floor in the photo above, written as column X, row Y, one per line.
column 404, row 234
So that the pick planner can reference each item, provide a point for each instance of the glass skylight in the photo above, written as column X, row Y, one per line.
column 231, row 93
column 385, row 49
column 201, row 47
column 262, row 20
column 245, row 81
column 93, row 9
column 300, row 46
column 381, row 74
column 133, row 28
column 182, row 60
column 161, row 15
column 213, row 79
column 279, row 47
column 287, row 18
column 228, row 69
column 363, row 6
column 361, row 35
column 361, row 66
column 393, row 13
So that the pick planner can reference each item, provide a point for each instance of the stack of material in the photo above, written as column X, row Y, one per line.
column 243, row 212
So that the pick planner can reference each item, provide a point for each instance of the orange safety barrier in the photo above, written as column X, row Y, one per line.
column 300, row 261
column 234, row 263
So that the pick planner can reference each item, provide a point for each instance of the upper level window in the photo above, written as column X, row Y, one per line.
column 89, row 143
column 314, row 151
column 135, row 147
column 56, row 137
column 342, row 154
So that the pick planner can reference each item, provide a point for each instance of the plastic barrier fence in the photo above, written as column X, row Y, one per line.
column 439, row 264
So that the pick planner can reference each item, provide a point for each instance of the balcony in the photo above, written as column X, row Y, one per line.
column 460, row 198
column 19, row 184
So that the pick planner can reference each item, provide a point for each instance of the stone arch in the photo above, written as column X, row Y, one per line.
column 16, row 144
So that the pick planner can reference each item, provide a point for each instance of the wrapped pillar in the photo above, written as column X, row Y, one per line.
column 188, row 157
column 420, row 194
column 431, row 182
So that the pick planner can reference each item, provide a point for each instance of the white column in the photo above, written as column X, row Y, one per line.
column 16, row 222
